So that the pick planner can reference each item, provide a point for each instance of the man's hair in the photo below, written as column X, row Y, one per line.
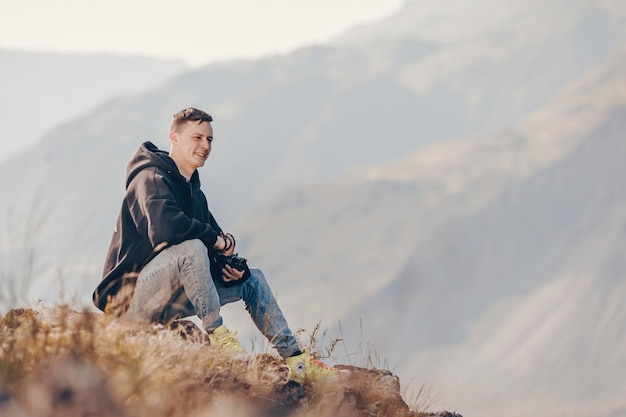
column 190, row 114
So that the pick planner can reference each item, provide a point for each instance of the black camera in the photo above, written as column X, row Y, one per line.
column 236, row 262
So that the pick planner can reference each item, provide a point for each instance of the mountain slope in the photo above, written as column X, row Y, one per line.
column 40, row 91
column 548, row 256
column 511, row 56
column 486, row 262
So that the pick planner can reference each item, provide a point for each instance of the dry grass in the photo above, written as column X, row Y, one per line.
column 152, row 371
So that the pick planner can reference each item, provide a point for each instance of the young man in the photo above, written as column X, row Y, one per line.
column 165, row 244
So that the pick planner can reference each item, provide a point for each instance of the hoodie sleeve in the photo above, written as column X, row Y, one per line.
column 158, row 215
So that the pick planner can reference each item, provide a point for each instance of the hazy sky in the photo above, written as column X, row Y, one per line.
column 198, row 31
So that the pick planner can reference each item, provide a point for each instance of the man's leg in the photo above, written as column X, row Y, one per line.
column 175, row 284
column 264, row 310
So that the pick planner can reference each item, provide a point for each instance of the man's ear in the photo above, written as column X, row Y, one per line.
column 173, row 137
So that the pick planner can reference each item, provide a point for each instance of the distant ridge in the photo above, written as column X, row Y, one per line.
column 43, row 90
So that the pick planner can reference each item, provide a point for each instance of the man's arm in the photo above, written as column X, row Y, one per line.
column 158, row 216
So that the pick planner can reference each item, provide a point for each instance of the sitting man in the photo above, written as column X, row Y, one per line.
column 167, row 244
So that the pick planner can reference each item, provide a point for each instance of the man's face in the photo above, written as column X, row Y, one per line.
column 191, row 146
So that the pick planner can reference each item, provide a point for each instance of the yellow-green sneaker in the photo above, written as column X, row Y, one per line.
column 224, row 340
column 305, row 368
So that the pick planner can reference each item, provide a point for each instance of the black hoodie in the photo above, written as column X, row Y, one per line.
column 161, row 208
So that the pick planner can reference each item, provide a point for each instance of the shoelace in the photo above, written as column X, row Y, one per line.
column 322, row 364
column 230, row 342
column 228, row 339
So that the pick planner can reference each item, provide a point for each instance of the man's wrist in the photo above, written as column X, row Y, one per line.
column 220, row 243
column 229, row 241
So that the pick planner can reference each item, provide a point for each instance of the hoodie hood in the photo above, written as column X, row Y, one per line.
column 149, row 155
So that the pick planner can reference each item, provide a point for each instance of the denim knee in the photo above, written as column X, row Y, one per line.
column 193, row 246
column 257, row 277
column 193, row 249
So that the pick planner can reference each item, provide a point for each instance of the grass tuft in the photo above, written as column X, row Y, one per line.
column 56, row 358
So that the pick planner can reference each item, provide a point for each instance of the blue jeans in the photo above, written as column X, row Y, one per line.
column 177, row 283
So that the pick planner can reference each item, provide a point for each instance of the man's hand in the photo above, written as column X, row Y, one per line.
column 231, row 274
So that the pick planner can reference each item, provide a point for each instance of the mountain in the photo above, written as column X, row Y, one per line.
column 40, row 91
column 305, row 116
column 338, row 170
column 490, row 267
